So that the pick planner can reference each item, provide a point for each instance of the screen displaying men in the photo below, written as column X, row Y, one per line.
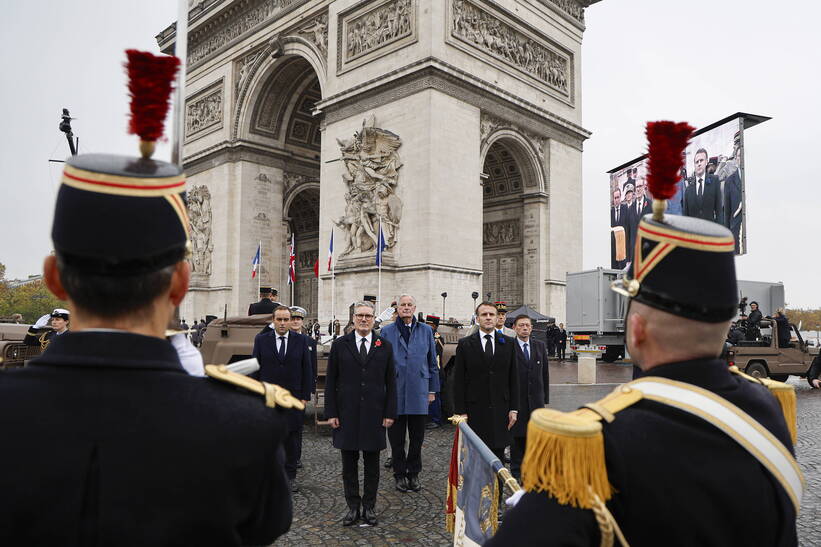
column 711, row 187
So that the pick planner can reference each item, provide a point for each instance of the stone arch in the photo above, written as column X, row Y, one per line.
column 527, row 154
column 276, row 61
column 301, row 209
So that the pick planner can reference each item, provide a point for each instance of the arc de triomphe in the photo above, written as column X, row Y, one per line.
column 455, row 124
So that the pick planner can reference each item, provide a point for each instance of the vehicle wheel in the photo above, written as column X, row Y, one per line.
column 779, row 377
column 757, row 370
column 611, row 354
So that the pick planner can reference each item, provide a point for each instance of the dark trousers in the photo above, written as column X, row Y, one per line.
column 293, row 447
column 410, row 464
column 435, row 410
column 551, row 349
column 350, row 478
column 517, row 454
column 562, row 348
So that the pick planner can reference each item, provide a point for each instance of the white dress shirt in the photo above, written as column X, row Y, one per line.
column 367, row 340
column 483, row 340
column 522, row 345
column 285, row 341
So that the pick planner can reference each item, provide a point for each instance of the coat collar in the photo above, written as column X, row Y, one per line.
column 711, row 374
column 350, row 340
column 118, row 349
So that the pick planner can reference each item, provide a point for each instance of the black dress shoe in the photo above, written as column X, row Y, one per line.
column 402, row 484
column 413, row 483
column 351, row 517
column 369, row 516
column 294, row 485
column 388, row 463
column 299, row 464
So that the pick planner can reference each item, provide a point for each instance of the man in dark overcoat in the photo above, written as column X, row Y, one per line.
column 485, row 381
column 360, row 402
column 297, row 319
column 534, row 384
column 113, row 442
column 285, row 359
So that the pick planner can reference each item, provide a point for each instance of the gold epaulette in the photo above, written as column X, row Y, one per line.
column 785, row 395
column 565, row 450
column 275, row 396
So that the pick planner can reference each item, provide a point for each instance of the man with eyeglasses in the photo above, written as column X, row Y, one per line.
column 360, row 402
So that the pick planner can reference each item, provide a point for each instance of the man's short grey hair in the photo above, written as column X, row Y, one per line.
column 406, row 295
column 364, row 303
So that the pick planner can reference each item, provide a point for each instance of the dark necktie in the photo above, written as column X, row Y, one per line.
column 527, row 353
column 281, row 348
column 488, row 347
column 700, row 189
column 363, row 351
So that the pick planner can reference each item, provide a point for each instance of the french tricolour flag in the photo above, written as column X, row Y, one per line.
column 331, row 251
column 255, row 262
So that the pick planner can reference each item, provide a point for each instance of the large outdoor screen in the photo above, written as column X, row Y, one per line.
column 711, row 187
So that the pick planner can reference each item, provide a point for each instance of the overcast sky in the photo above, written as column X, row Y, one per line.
column 642, row 60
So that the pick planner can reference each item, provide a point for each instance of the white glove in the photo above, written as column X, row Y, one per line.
column 514, row 499
column 43, row 321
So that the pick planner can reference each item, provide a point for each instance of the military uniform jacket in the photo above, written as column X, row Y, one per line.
column 360, row 393
column 678, row 479
column 486, row 390
column 108, row 441
column 263, row 306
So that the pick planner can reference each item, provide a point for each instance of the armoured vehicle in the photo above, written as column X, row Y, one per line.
column 13, row 352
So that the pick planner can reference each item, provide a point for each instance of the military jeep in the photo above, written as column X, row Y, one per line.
column 763, row 358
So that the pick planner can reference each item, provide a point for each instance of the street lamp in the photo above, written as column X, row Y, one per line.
column 444, row 297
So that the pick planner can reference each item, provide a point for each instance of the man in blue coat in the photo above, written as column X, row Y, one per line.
column 285, row 359
column 417, row 382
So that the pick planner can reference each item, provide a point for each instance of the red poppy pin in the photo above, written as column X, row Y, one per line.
column 378, row 343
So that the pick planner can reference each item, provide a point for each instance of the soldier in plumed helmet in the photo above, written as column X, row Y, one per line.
column 691, row 453
column 108, row 440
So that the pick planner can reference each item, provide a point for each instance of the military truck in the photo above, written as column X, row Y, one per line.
column 763, row 358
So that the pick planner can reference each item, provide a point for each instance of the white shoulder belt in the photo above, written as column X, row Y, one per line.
column 733, row 421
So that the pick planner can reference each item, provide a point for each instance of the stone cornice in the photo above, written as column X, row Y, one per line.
column 229, row 152
column 432, row 73
column 342, row 269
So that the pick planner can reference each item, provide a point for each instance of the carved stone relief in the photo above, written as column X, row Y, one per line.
column 377, row 25
column 372, row 172
column 290, row 180
column 503, row 232
column 307, row 259
column 204, row 111
column 243, row 70
column 242, row 19
column 569, row 7
column 199, row 211
column 317, row 32
column 486, row 32
column 489, row 124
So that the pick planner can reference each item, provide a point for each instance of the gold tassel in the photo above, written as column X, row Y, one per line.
column 565, row 454
column 450, row 522
column 785, row 395
column 494, row 509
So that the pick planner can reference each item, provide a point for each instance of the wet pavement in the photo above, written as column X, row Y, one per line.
column 418, row 518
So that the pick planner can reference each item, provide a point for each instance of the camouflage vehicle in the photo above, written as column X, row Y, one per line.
column 13, row 352
column 763, row 358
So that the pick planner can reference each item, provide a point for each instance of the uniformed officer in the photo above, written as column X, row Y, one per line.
column 39, row 334
column 266, row 304
column 691, row 453
column 107, row 440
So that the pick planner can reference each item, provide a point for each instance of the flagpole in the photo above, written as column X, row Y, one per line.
column 333, row 284
column 292, row 266
column 259, row 267
column 379, row 254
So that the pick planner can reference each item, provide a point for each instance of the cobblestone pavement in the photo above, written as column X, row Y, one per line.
column 418, row 518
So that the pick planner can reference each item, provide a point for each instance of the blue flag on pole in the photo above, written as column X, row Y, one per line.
column 381, row 245
column 473, row 493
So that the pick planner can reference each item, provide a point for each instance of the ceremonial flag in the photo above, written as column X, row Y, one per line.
column 292, row 261
column 381, row 245
column 316, row 268
column 473, row 489
column 331, row 250
column 255, row 262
